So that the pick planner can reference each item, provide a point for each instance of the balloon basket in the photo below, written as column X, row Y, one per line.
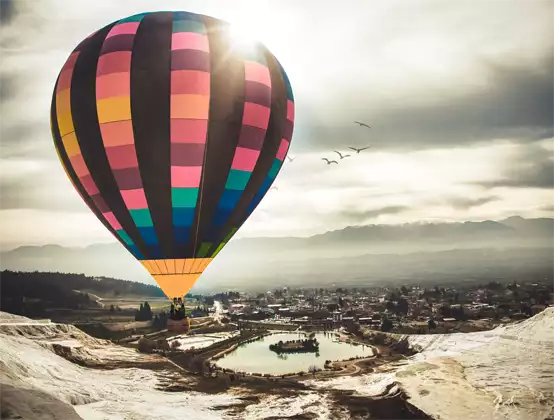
column 178, row 325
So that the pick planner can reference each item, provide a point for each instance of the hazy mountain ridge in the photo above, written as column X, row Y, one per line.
column 512, row 227
column 350, row 254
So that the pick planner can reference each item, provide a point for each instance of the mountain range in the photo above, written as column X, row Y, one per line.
column 348, row 252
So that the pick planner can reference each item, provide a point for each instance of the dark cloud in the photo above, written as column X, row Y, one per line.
column 532, row 167
column 40, row 190
column 518, row 102
column 462, row 203
column 360, row 216
column 7, row 11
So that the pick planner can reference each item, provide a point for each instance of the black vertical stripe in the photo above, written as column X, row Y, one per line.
column 225, row 122
column 150, row 111
column 58, row 143
column 273, row 136
column 87, row 130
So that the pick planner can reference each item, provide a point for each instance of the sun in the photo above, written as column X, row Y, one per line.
column 242, row 39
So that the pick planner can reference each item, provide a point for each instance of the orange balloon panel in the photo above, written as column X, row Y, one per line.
column 176, row 277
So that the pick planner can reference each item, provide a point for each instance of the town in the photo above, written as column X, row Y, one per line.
column 404, row 310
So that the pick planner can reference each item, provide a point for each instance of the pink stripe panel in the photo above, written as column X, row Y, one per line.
column 121, row 157
column 256, row 115
column 79, row 165
column 283, row 148
column 190, row 81
column 188, row 131
column 185, row 176
column 116, row 62
column 129, row 28
column 134, row 199
column 245, row 159
column 290, row 110
column 70, row 63
column 89, row 185
column 110, row 217
column 119, row 133
column 113, row 85
column 189, row 41
column 256, row 72
column 64, row 81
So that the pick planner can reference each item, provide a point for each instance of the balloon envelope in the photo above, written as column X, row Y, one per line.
column 172, row 135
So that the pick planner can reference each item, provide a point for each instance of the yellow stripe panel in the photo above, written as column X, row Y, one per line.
column 71, row 145
column 65, row 123
column 114, row 109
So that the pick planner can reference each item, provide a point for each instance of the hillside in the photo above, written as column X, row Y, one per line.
column 32, row 293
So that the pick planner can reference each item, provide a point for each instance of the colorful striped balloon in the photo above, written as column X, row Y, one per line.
column 172, row 136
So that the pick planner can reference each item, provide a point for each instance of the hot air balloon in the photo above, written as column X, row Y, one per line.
column 172, row 136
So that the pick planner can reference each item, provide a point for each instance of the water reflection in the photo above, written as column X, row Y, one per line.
column 257, row 358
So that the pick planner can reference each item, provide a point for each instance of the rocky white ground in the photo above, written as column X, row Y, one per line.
column 32, row 372
column 200, row 341
column 507, row 373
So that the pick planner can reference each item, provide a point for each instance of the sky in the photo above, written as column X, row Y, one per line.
column 459, row 96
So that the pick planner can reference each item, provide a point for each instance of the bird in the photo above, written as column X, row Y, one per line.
column 272, row 188
column 341, row 155
column 359, row 150
column 329, row 161
column 290, row 159
column 361, row 124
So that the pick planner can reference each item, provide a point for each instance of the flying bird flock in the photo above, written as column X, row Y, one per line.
column 341, row 155
column 344, row 156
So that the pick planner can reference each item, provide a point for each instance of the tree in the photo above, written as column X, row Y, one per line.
column 112, row 308
column 386, row 325
column 144, row 312
column 402, row 306
column 390, row 306
column 431, row 324
column 404, row 290
column 313, row 369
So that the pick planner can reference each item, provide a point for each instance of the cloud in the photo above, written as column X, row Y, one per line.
column 364, row 215
column 441, row 86
column 529, row 167
column 516, row 102
column 463, row 203
column 7, row 11
column 37, row 185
